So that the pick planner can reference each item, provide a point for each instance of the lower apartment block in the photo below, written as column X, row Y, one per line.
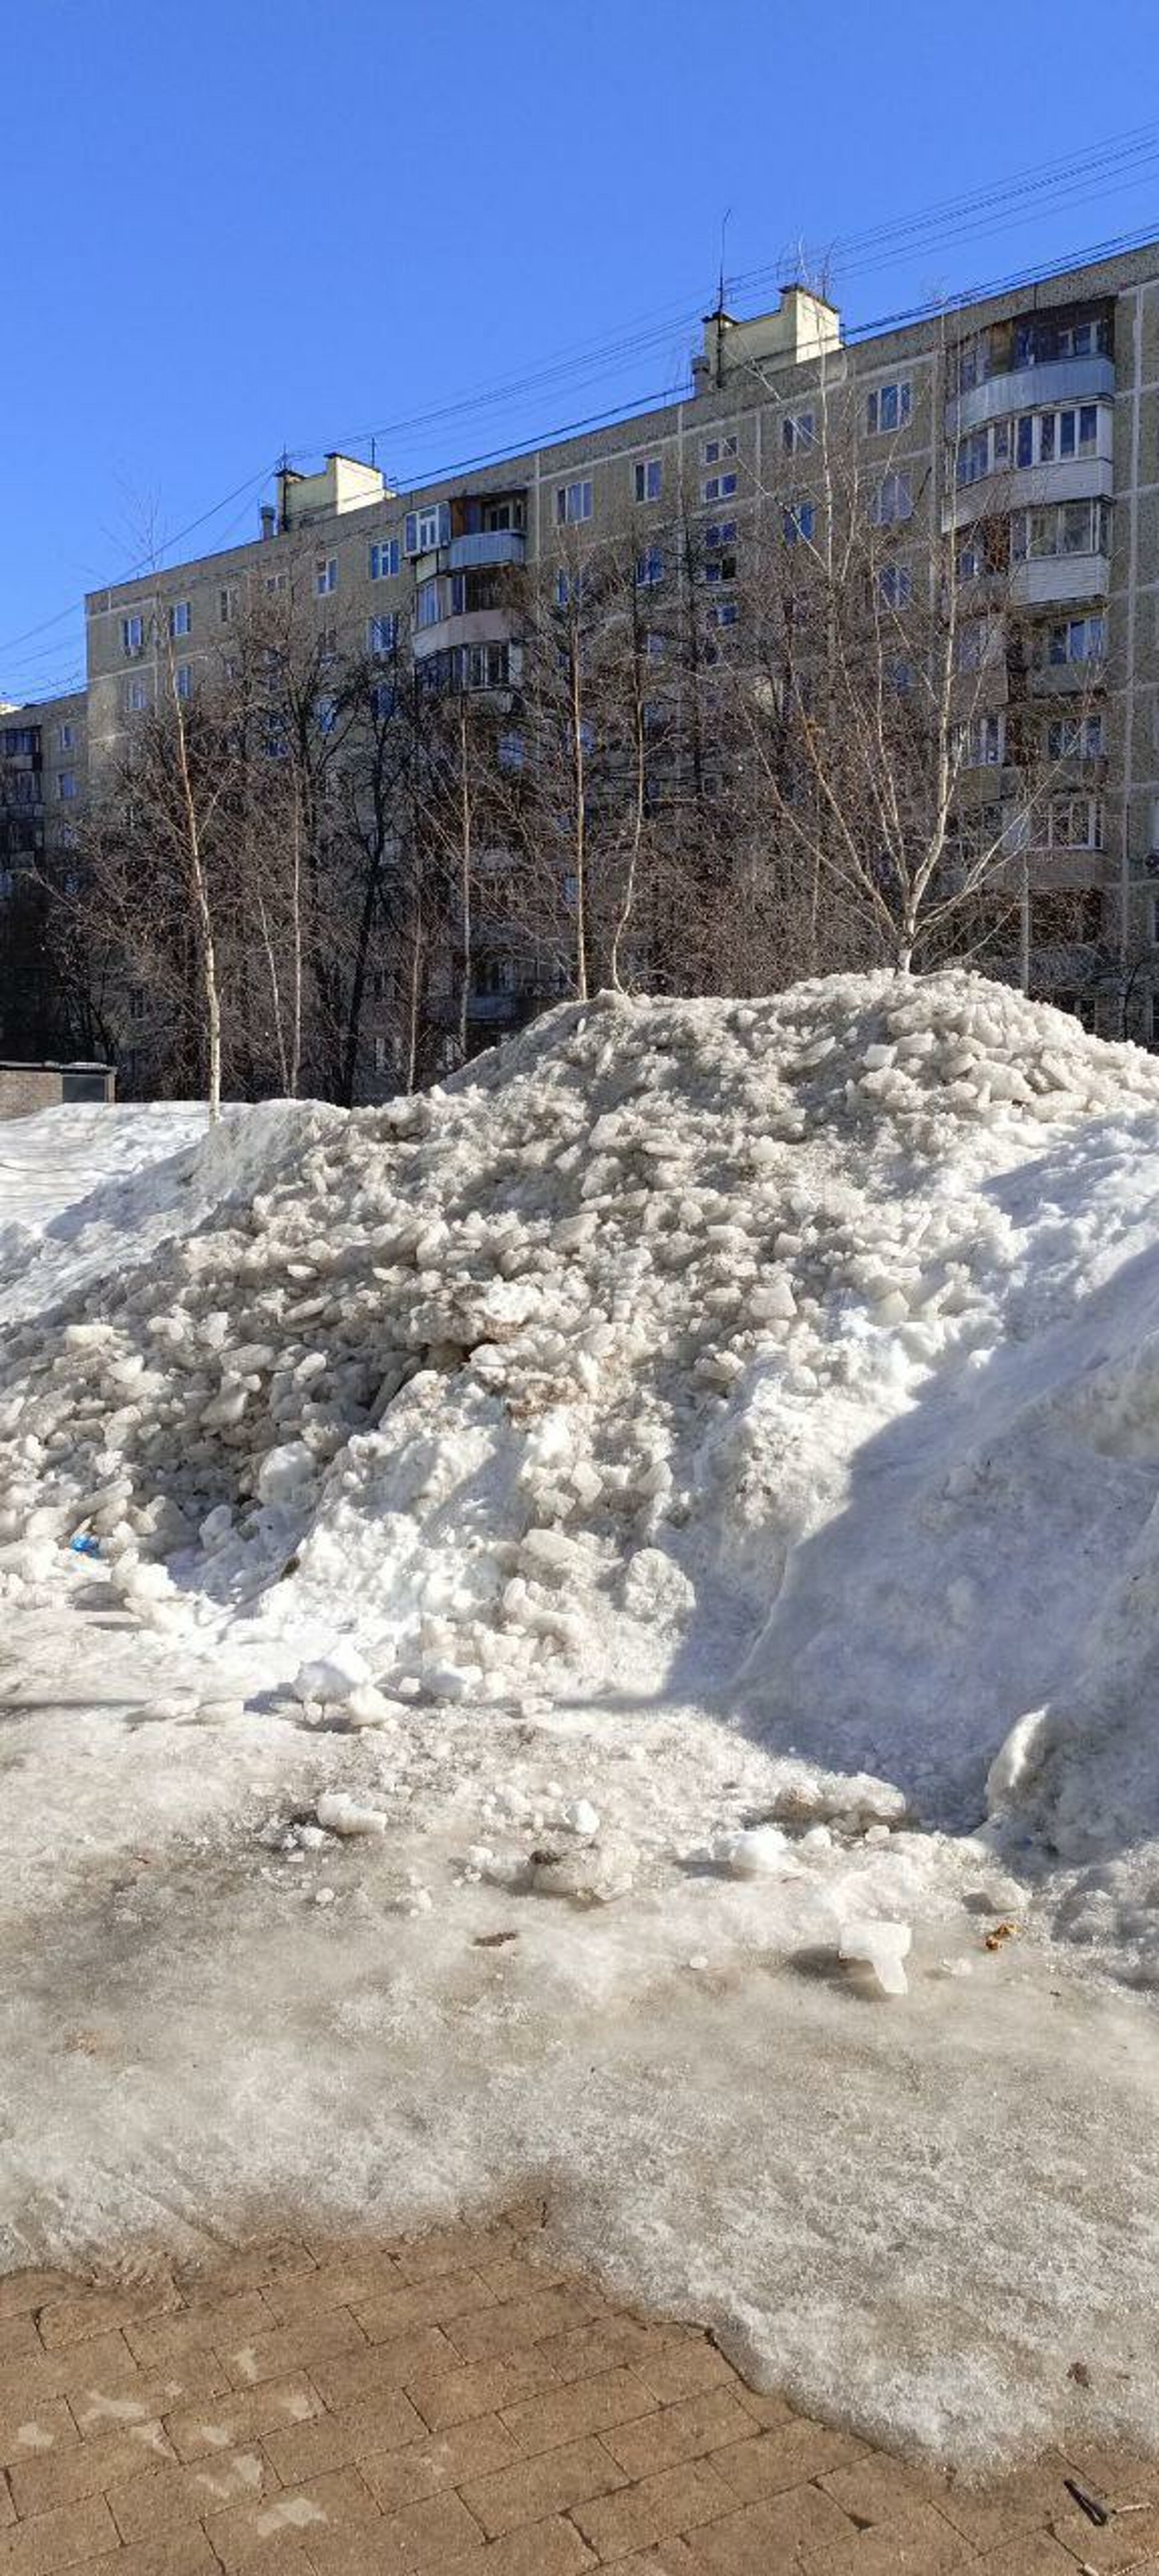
column 1008, row 446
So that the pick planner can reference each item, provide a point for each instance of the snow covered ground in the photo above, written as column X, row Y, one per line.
column 592, row 1578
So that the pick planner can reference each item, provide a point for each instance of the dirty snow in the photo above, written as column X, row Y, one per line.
column 621, row 1647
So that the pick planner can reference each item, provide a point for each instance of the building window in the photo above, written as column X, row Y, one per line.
column 132, row 634
column 510, row 751
column 895, row 585
column 134, row 697
column 384, row 560
column 136, row 1001
column 649, row 568
column 893, row 500
column 715, row 448
column 428, row 607
column 723, row 612
column 276, row 582
column 66, row 786
column 180, row 618
column 1076, row 639
column 972, row 642
column 183, row 679
column 326, row 714
column 573, row 502
column 798, row 431
column 719, row 568
column 720, row 532
column 382, row 635
column 1075, row 738
column 486, row 666
column 226, row 604
column 325, row 576
column 797, row 523
column 649, row 479
column 982, row 743
column 1062, row 528
column 381, row 1054
column 65, row 737
column 718, row 487
column 1076, row 823
column 888, row 407
column 383, row 700
column 428, row 528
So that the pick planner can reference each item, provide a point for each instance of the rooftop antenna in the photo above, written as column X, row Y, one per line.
column 724, row 224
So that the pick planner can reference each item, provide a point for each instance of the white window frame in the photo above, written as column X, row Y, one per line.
column 382, row 635
column 649, row 478
column 183, row 679
column 894, row 395
column 180, row 618
column 893, row 501
column 134, row 697
column 66, row 786
column 226, row 603
column 65, row 737
column 132, row 634
column 718, row 487
column 574, row 503
column 983, row 742
column 716, row 448
column 325, row 576
column 385, row 559
column 1089, row 807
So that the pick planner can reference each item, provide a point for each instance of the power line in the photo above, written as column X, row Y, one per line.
column 146, row 564
column 937, row 226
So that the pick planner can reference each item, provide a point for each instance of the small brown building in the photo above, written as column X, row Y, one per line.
column 26, row 1087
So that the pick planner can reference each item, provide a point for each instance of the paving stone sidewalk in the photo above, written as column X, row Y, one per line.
column 454, row 2405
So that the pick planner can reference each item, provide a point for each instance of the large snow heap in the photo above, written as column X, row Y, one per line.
column 591, row 1364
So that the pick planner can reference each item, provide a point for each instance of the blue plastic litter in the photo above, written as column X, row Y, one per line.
column 84, row 1546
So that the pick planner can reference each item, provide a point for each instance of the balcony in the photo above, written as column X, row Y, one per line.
column 1056, row 580
column 487, row 546
column 1056, row 380
column 1090, row 477
column 474, row 626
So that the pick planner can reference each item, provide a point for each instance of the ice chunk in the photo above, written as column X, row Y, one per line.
column 333, row 1678
column 870, row 1942
column 761, row 1851
column 340, row 1814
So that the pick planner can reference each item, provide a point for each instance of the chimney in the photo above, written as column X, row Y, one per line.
column 269, row 518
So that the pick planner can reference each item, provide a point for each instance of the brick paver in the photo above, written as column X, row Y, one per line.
column 457, row 2404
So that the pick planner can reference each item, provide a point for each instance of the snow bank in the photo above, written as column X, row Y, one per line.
column 89, row 1191
column 622, row 1626
column 618, row 1362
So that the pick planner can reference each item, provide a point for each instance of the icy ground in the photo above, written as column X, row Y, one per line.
column 589, row 1564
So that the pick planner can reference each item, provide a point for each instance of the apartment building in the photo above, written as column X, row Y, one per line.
column 1035, row 410
column 43, row 781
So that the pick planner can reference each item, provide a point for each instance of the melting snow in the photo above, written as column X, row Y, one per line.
column 680, row 1499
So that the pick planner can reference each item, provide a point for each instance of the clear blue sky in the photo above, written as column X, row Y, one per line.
column 235, row 226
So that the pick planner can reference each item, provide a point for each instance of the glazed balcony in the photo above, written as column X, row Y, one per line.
column 1054, row 380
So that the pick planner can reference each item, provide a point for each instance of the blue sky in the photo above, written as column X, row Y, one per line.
column 237, row 226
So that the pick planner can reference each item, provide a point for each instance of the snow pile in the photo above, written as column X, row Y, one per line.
column 89, row 1191
column 589, row 1537
column 567, row 1368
